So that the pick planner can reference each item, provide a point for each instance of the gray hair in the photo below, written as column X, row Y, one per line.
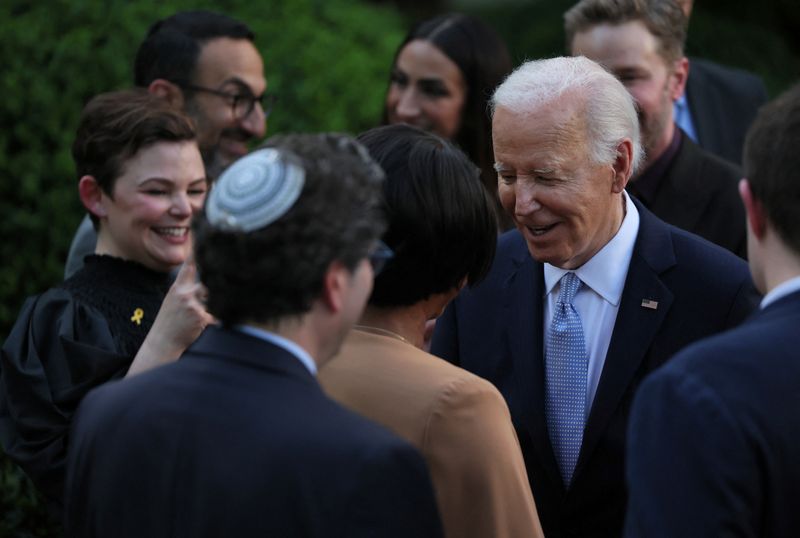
column 609, row 110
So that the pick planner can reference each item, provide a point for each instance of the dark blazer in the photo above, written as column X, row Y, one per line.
column 238, row 439
column 699, row 192
column 495, row 330
column 715, row 435
column 723, row 102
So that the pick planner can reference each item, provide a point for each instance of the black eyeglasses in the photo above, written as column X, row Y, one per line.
column 379, row 256
column 242, row 103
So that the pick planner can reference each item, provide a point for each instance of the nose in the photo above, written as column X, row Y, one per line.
column 408, row 104
column 255, row 123
column 526, row 198
column 181, row 206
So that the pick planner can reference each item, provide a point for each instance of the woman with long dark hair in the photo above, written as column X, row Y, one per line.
column 443, row 74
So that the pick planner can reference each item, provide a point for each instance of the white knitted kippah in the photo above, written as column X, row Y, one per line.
column 255, row 191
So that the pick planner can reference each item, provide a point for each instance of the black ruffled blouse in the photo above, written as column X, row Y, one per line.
column 73, row 337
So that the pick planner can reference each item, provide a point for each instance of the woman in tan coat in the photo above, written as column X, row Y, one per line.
column 443, row 232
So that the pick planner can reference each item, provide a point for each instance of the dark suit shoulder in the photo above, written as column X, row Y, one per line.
column 739, row 80
column 718, row 419
column 757, row 355
column 699, row 193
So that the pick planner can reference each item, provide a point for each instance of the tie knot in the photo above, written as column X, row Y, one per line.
column 569, row 287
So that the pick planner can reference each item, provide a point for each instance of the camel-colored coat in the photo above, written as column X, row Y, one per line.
column 458, row 421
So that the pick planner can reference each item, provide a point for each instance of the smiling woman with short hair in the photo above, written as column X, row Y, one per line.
column 141, row 180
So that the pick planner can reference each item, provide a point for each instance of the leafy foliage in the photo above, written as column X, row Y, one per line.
column 328, row 60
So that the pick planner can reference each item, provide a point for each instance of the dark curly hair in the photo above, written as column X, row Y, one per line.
column 277, row 271
column 442, row 224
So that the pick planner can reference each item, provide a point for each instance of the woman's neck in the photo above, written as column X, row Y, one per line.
column 407, row 322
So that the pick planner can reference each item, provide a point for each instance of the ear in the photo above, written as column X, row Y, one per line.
column 756, row 217
column 622, row 166
column 680, row 74
column 167, row 90
column 92, row 196
column 334, row 285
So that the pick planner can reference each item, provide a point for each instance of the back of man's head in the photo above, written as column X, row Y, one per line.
column 172, row 45
column 606, row 109
column 278, row 218
column 663, row 18
column 771, row 162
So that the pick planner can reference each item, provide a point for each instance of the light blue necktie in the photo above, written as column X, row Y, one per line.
column 566, row 367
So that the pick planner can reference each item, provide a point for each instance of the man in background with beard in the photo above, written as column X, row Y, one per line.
column 641, row 43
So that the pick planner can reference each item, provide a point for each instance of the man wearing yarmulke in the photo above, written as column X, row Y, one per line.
column 237, row 438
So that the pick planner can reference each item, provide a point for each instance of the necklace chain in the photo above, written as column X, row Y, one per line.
column 379, row 331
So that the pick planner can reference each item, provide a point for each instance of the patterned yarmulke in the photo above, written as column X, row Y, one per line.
column 254, row 191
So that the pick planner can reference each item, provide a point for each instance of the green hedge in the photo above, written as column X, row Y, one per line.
column 327, row 59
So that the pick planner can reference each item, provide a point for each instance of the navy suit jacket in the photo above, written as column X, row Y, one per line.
column 699, row 193
column 723, row 102
column 496, row 331
column 715, row 435
column 238, row 439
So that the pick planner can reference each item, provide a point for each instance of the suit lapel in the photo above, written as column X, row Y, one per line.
column 635, row 328
column 683, row 196
column 523, row 303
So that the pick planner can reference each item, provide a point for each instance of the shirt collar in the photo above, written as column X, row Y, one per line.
column 601, row 273
column 301, row 354
column 780, row 291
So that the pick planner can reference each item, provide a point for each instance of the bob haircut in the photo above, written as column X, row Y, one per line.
column 442, row 225
column 277, row 271
column 115, row 126
column 484, row 61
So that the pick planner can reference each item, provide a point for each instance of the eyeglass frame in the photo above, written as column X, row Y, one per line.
column 379, row 257
column 266, row 100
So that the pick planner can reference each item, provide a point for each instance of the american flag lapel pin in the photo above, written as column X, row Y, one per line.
column 649, row 303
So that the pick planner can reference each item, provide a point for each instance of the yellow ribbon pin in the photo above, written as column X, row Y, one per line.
column 138, row 314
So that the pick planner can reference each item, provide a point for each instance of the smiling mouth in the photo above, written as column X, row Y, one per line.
column 541, row 230
column 175, row 231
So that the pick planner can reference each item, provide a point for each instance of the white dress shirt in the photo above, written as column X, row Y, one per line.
column 597, row 300
column 300, row 353
column 781, row 290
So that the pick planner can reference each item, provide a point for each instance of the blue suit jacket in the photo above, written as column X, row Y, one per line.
column 715, row 435
column 495, row 330
column 238, row 439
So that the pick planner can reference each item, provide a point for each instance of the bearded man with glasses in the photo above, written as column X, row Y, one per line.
column 206, row 64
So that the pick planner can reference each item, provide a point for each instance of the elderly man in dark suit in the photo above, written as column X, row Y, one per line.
column 641, row 42
column 715, row 434
column 237, row 438
column 590, row 294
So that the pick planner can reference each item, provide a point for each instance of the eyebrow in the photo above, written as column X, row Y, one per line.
column 499, row 167
column 160, row 179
